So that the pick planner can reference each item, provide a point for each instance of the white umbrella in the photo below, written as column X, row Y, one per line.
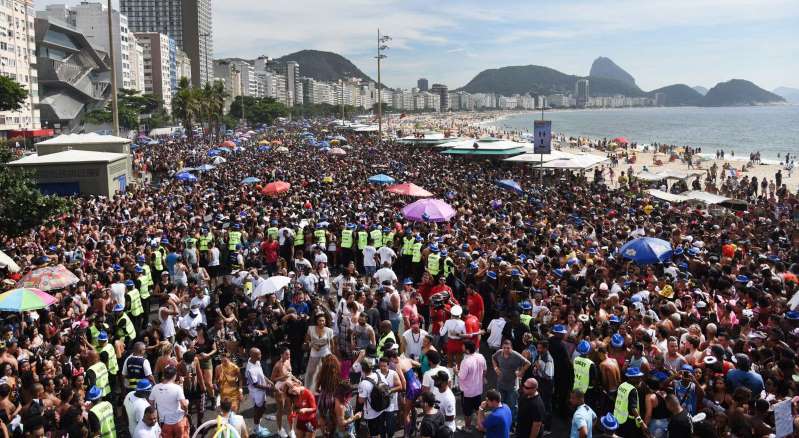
column 218, row 160
column 271, row 285
column 8, row 263
column 282, row 149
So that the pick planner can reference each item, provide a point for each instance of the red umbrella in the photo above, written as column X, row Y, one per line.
column 276, row 188
column 409, row 189
column 228, row 144
column 621, row 140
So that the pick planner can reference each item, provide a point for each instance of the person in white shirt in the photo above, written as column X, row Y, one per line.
column 385, row 274
column 391, row 379
column 148, row 427
column 434, row 358
column 386, row 255
column 234, row 420
column 257, row 383
column 118, row 291
column 494, row 330
column 319, row 255
column 202, row 301
column 374, row 419
column 445, row 398
column 369, row 262
column 191, row 320
column 454, row 329
column 171, row 403
column 136, row 403
column 411, row 341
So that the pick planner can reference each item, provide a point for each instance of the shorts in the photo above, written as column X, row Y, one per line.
column 377, row 425
column 258, row 398
column 306, row 426
column 369, row 270
column 470, row 405
column 177, row 430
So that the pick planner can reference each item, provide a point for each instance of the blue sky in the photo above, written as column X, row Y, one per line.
column 696, row 42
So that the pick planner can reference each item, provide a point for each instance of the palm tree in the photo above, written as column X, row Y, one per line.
column 185, row 106
column 216, row 105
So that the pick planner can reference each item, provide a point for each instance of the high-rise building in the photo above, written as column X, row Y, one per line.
column 188, row 22
column 183, row 65
column 159, row 65
column 443, row 93
column 136, row 59
column 422, row 84
column 18, row 62
column 581, row 92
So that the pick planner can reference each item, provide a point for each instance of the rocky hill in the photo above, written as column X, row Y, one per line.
column 679, row 95
column 324, row 66
column 605, row 68
column 739, row 92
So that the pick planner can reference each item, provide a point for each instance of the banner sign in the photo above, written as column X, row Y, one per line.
column 542, row 136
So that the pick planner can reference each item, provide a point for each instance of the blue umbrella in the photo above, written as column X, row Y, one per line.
column 224, row 149
column 185, row 176
column 152, row 143
column 250, row 180
column 510, row 185
column 264, row 148
column 206, row 168
column 646, row 250
column 214, row 152
column 381, row 179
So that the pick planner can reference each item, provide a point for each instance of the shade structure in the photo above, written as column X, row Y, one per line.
column 327, row 179
column 282, row 149
column 337, row 151
column 264, row 142
column 185, row 176
column 250, row 180
column 263, row 148
column 510, row 185
column 214, row 152
column 48, row 278
column 381, row 179
column 229, row 144
column 218, row 160
column 428, row 210
column 25, row 298
column 409, row 189
column 206, row 167
column 276, row 188
column 647, row 251
column 621, row 140
column 8, row 263
column 271, row 285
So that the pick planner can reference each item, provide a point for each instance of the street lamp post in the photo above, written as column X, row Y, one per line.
column 114, row 104
column 381, row 47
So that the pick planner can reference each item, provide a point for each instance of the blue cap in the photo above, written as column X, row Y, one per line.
column 683, row 266
column 118, row 307
column 140, row 258
column 633, row 372
column 465, row 247
column 792, row 315
column 678, row 250
column 419, row 238
column 351, row 226
column 492, row 275
column 165, row 241
column 693, row 251
column 592, row 250
column 408, row 280
column 94, row 393
column 635, row 299
column 318, row 226
column 584, row 347
column 144, row 385
column 434, row 247
column 473, row 266
column 614, row 319
column 273, row 222
column 515, row 273
column 573, row 261
column 116, row 267
column 525, row 305
column 138, row 269
column 617, row 340
column 558, row 272
column 129, row 283
column 609, row 422
column 236, row 226
column 686, row 367
column 102, row 336
column 742, row 279
column 444, row 253
column 154, row 244
column 559, row 328
column 386, row 229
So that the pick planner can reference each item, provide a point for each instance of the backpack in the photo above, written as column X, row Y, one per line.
column 380, row 396
column 439, row 425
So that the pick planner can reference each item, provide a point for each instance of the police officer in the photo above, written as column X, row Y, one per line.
column 234, row 237
column 347, row 236
column 124, row 328
column 101, row 414
column 97, row 373
column 415, row 267
column 626, row 409
column 299, row 238
column 144, row 283
column 434, row 260
column 448, row 267
column 133, row 301
column 388, row 237
column 363, row 242
column 273, row 229
column 206, row 237
column 376, row 235
column 136, row 367
column 159, row 256
column 526, row 313
column 320, row 236
column 586, row 375
column 95, row 329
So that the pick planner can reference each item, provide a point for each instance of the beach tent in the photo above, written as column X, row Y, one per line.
column 666, row 196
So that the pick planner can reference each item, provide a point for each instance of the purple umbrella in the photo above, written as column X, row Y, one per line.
column 428, row 210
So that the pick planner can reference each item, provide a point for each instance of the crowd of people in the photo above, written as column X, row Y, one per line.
column 517, row 316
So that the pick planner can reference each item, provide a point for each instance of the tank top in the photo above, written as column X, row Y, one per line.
column 361, row 337
column 167, row 326
column 660, row 412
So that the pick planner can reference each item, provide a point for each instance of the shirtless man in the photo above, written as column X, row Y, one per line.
column 281, row 375
column 608, row 369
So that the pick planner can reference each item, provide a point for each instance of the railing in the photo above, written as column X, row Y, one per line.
column 65, row 71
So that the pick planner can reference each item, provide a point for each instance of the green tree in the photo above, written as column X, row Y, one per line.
column 258, row 110
column 23, row 205
column 185, row 105
column 12, row 94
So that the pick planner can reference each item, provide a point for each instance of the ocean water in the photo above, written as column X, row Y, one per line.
column 771, row 130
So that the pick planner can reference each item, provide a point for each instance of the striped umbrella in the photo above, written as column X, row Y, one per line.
column 22, row 299
column 49, row 278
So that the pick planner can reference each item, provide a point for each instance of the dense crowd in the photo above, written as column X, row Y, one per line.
column 517, row 316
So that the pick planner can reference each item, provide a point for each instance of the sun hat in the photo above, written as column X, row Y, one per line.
column 94, row 393
column 584, row 347
column 617, row 340
column 456, row 310
column 633, row 372
column 559, row 328
column 609, row 422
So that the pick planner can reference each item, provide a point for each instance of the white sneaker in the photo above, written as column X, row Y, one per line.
column 282, row 433
column 271, row 417
column 292, row 434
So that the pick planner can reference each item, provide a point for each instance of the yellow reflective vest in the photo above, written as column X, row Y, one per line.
column 582, row 374
column 388, row 239
column 299, row 237
column 620, row 410
column 112, row 366
column 104, row 412
column 377, row 238
column 346, row 239
column 363, row 239
column 320, row 236
column 125, row 329
column 416, row 252
column 234, row 238
column 136, row 308
column 433, row 263
column 407, row 245
column 101, row 377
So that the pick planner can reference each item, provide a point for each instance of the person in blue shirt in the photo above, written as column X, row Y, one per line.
column 584, row 417
column 494, row 417
column 172, row 259
column 743, row 375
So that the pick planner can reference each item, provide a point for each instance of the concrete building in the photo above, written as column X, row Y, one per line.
column 422, row 84
column 660, row 99
column 182, row 65
column 73, row 172
column 136, row 59
column 230, row 75
column 159, row 65
column 74, row 77
column 443, row 93
column 188, row 22
column 18, row 62
column 581, row 92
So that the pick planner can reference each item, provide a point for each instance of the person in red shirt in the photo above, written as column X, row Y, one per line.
column 270, row 248
column 474, row 302
column 304, row 412
column 473, row 325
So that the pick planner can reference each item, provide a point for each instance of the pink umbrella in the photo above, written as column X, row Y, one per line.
column 429, row 210
column 48, row 278
column 409, row 189
column 276, row 188
column 337, row 151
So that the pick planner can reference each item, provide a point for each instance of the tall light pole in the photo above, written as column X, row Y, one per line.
column 381, row 47
column 114, row 104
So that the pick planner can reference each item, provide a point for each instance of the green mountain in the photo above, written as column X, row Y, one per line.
column 324, row 66
column 738, row 92
column 536, row 79
column 679, row 95
column 790, row 94
column 605, row 68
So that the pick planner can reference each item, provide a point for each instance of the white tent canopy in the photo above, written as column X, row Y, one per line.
column 90, row 138
column 530, row 157
column 559, row 160
column 666, row 196
column 648, row 175
column 690, row 196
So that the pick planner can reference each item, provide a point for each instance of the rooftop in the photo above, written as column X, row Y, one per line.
column 68, row 157
column 90, row 138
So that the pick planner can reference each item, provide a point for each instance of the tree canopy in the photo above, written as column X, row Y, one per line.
column 12, row 94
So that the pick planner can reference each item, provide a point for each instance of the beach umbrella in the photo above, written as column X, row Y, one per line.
column 621, row 140
column 25, row 298
column 409, row 189
column 428, row 210
column 152, row 143
column 225, row 150
column 8, row 263
column 214, row 152
column 218, row 160
column 277, row 142
column 264, row 148
column 276, row 188
column 282, row 149
column 647, row 250
column 381, row 179
column 510, row 185
column 185, row 176
column 206, row 167
column 327, row 179
column 271, row 285
column 229, row 144
column 337, row 151
column 48, row 278
column 262, row 142
column 250, row 180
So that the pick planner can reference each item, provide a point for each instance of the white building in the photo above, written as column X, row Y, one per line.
column 158, row 65
column 183, row 65
column 136, row 59
column 18, row 62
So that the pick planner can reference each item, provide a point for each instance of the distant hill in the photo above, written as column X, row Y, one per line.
column 700, row 89
column 738, row 92
column 790, row 94
column 605, row 68
column 324, row 66
column 536, row 79
column 679, row 95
